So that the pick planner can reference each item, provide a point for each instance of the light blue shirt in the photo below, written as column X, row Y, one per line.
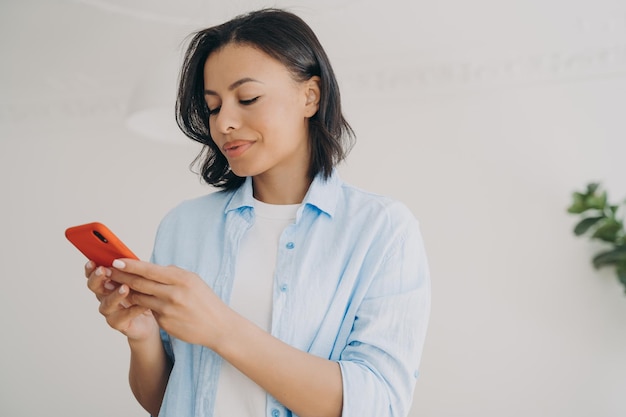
column 351, row 285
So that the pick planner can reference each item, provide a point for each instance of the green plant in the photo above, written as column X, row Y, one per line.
column 601, row 221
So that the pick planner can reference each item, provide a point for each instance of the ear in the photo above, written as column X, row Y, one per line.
column 312, row 91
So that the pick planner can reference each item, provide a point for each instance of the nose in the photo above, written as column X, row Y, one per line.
column 227, row 119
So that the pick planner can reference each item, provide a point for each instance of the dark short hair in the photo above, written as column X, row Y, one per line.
column 288, row 39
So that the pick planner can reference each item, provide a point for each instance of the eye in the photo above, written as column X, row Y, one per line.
column 248, row 102
column 214, row 111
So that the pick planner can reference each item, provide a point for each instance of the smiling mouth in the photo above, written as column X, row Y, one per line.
column 237, row 148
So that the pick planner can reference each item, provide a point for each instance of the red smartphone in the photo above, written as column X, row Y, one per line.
column 98, row 243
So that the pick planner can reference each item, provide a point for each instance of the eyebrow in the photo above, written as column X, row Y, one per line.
column 233, row 85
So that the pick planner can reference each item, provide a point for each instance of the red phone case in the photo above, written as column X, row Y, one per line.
column 98, row 243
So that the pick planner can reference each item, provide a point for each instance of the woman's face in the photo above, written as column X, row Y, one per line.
column 258, row 112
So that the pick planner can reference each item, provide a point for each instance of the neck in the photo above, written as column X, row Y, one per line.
column 280, row 189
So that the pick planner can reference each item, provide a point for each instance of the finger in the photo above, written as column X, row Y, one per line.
column 89, row 267
column 122, row 318
column 125, row 292
column 115, row 301
column 153, row 272
column 109, row 285
column 98, row 280
column 148, row 301
column 137, row 283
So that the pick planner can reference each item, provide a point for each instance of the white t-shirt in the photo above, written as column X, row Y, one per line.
column 252, row 298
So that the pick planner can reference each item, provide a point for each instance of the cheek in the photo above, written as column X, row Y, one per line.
column 266, row 120
column 285, row 115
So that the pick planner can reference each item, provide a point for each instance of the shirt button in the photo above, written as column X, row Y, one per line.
column 284, row 287
column 275, row 413
column 290, row 245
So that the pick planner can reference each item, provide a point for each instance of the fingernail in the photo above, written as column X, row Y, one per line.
column 99, row 272
column 107, row 272
column 119, row 264
column 122, row 289
column 109, row 286
column 89, row 265
column 124, row 303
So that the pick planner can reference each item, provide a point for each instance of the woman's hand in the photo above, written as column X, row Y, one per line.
column 188, row 309
column 134, row 321
column 182, row 303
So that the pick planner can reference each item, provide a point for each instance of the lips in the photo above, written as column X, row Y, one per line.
column 236, row 148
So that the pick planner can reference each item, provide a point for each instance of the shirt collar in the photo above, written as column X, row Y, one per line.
column 242, row 197
column 322, row 194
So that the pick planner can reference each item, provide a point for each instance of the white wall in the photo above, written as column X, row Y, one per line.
column 521, row 323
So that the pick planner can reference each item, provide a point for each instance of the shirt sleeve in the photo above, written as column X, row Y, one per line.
column 165, row 338
column 379, row 364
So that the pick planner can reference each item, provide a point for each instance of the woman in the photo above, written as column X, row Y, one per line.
column 288, row 291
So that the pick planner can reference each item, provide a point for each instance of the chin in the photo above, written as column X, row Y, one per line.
column 243, row 172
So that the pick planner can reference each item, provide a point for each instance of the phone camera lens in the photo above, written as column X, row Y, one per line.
column 99, row 236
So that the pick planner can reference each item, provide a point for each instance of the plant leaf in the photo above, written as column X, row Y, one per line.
column 578, row 204
column 613, row 256
column 592, row 187
column 585, row 224
column 597, row 201
column 608, row 230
